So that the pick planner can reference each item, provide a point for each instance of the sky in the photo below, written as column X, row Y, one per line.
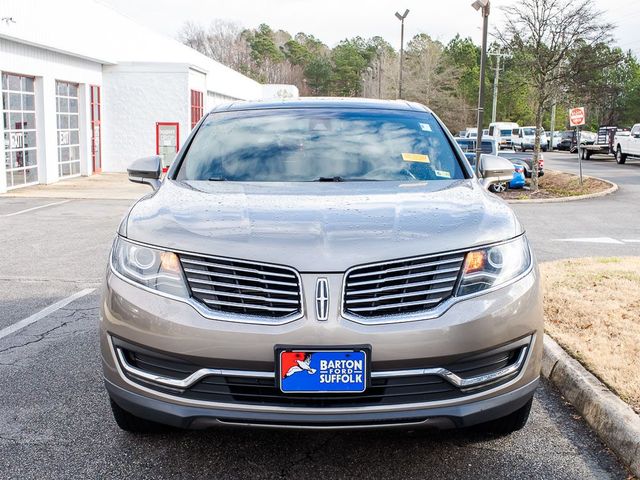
column 335, row 20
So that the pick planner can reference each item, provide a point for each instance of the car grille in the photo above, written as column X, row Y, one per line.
column 401, row 286
column 264, row 391
column 243, row 288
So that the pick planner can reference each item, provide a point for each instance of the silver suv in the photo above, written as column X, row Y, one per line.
column 318, row 263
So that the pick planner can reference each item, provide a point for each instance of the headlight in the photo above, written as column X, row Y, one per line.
column 149, row 267
column 493, row 266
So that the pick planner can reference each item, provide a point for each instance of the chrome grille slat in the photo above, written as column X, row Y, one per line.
column 238, row 269
column 243, row 305
column 240, row 277
column 407, row 285
column 244, row 296
column 401, row 286
column 409, row 267
column 400, row 295
column 407, row 277
column 242, row 288
column 397, row 287
column 398, row 304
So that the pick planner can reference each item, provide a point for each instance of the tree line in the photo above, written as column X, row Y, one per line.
column 444, row 76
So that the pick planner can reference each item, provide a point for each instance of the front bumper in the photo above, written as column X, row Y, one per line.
column 467, row 327
column 441, row 418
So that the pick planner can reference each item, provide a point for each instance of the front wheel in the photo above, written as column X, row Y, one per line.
column 511, row 423
column 500, row 187
column 620, row 157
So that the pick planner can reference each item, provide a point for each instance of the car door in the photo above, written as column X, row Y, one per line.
column 634, row 141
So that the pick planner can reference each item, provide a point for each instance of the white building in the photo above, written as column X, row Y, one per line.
column 85, row 90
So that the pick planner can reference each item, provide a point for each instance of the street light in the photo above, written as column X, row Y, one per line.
column 401, row 18
column 484, row 6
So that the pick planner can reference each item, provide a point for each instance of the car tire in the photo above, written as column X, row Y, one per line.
column 132, row 424
column 621, row 158
column 500, row 187
column 511, row 423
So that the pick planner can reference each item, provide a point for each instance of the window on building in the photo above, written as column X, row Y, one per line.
column 19, row 114
column 197, row 107
column 96, row 129
column 68, row 129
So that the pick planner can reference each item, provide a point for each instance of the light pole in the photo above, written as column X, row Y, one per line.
column 401, row 18
column 496, row 79
column 484, row 6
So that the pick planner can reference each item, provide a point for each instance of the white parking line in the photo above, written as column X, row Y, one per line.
column 34, row 208
column 43, row 313
column 604, row 240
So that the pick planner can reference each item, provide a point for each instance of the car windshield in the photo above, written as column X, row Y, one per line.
column 470, row 146
column 530, row 132
column 505, row 133
column 320, row 144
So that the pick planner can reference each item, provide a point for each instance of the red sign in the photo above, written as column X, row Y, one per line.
column 577, row 116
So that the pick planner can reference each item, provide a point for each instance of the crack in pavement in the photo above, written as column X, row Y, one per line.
column 306, row 455
column 41, row 336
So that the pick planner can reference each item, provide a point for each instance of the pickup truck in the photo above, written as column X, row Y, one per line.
column 600, row 143
column 627, row 144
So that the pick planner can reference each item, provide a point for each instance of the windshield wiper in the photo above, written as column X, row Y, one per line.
column 217, row 179
column 329, row 179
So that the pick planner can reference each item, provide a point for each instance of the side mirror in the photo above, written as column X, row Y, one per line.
column 146, row 170
column 494, row 169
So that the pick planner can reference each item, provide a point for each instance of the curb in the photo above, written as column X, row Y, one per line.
column 614, row 188
column 614, row 421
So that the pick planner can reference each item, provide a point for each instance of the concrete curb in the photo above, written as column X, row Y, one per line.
column 614, row 188
column 614, row 421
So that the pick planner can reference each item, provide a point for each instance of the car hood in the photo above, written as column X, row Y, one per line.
column 325, row 227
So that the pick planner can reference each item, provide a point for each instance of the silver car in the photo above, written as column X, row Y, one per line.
column 321, row 263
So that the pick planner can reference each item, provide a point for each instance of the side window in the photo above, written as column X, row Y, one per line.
column 491, row 131
column 635, row 131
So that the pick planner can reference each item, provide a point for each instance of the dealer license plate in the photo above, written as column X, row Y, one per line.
column 322, row 371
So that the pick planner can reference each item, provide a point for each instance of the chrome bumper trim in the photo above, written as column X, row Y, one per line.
column 195, row 377
column 462, row 383
column 454, row 379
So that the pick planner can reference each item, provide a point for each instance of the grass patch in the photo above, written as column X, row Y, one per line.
column 556, row 184
column 592, row 309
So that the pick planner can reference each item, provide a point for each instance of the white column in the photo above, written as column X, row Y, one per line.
column 84, row 123
column 3, row 168
column 47, row 130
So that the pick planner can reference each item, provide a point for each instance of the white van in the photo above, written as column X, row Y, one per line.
column 524, row 139
column 503, row 132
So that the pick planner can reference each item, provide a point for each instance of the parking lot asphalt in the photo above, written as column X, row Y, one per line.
column 606, row 226
column 55, row 420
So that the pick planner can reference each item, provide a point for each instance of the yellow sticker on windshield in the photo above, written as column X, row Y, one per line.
column 415, row 157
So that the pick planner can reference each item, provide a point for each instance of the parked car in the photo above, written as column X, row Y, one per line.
column 524, row 139
column 490, row 147
column 503, row 132
column 471, row 133
column 524, row 159
column 567, row 140
column 298, row 267
column 556, row 139
column 628, row 145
